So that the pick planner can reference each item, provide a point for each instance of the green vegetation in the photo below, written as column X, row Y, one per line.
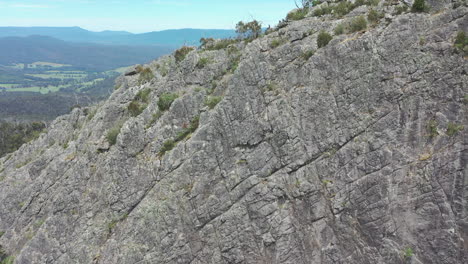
column 135, row 108
column 165, row 101
column 461, row 42
column 154, row 118
column 13, row 136
column 234, row 63
column 357, row 24
column 323, row 39
column 277, row 42
column 250, row 30
column 202, row 62
column 298, row 14
column 212, row 44
column 453, row 129
column 339, row 29
column 168, row 145
column 186, row 131
column 401, row 9
column 306, row 55
column 419, row 6
column 145, row 76
column 8, row 260
column 139, row 103
column 143, row 95
column 342, row 8
column 432, row 129
column 212, row 101
column 113, row 133
column 374, row 16
column 408, row 253
column 181, row 53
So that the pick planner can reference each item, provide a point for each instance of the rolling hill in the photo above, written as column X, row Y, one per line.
column 173, row 37
column 88, row 56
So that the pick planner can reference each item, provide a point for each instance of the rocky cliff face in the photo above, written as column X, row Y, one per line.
column 350, row 153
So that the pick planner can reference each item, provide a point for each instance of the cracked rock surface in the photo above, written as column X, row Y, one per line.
column 356, row 154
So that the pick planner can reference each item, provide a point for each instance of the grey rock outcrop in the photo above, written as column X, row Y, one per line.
column 355, row 154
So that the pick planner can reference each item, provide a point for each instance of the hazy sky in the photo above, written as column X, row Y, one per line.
column 141, row 15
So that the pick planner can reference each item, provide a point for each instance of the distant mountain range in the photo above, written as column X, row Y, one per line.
column 83, row 55
column 174, row 38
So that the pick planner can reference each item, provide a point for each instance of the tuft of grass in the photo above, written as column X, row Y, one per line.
column 277, row 42
column 165, row 101
column 357, row 24
column 234, row 63
column 181, row 53
column 401, row 9
column 453, row 129
column 143, row 95
column 154, row 118
column 112, row 134
column 8, row 260
column 339, row 29
column 145, row 76
column 306, row 55
column 461, row 42
column 202, row 62
column 212, row 101
column 432, row 129
column 135, row 108
column 374, row 16
column 408, row 253
column 419, row 6
column 168, row 145
column 298, row 14
column 323, row 39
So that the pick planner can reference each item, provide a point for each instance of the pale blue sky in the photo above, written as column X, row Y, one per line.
column 141, row 15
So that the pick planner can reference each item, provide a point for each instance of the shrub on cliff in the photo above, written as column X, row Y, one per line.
column 181, row 53
column 357, row 24
column 250, row 30
column 419, row 6
column 323, row 39
column 165, row 101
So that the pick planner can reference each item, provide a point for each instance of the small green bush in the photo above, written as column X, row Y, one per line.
column 234, row 63
column 401, row 9
column 298, row 14
column 325, row 10
column 145, row 76
column 357, row 24
column 143, row 95
column 432, row 129
column 168, row 145
column 323, row 39
column 419, row 6
column 189, row 130
column 461, row 42
column 113, row 133
column 306, row 55
column 202, row 62
column 135, row 108
column 212, row 101
column 154, row 118
column 165, row 101
column 181, row 53
column 343, row 8
column 277, row 42
column 374, row 16
column 8, row 260
column 453, row 129
column 339, row 29
column 408, row 253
